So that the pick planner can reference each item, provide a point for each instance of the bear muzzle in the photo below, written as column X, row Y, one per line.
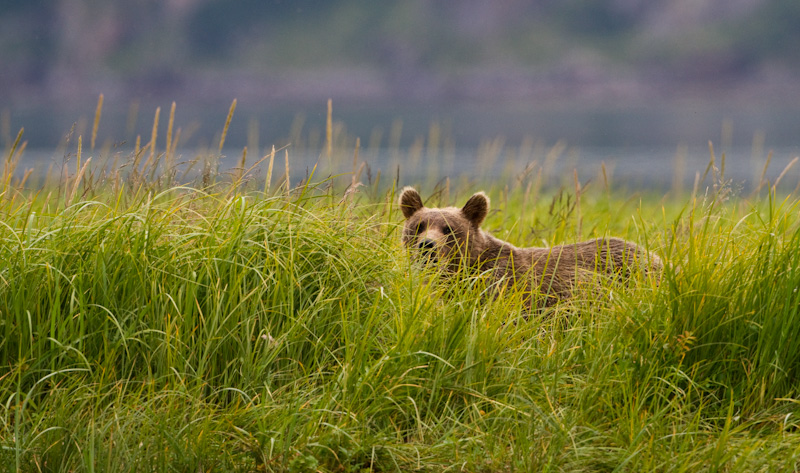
column 426, row 249
column 426, row 244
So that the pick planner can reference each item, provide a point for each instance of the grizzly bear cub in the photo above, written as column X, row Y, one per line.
column 452, row 239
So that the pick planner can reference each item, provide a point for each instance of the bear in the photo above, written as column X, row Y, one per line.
column 451, row 238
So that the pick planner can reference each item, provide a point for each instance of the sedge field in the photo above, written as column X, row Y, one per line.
column 153, row 320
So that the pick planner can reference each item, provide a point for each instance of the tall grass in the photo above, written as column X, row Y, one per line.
column 231, row 323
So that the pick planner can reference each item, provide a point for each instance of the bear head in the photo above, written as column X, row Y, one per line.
column 448, row 236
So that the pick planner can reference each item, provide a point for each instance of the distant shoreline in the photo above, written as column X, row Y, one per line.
column 577, row 83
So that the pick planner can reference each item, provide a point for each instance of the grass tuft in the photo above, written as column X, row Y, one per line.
column 221, row 325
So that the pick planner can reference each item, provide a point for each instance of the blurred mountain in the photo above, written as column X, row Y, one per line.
column 418, row 50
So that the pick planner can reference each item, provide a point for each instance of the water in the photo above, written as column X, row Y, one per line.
column 645, row 147
column 658, row 168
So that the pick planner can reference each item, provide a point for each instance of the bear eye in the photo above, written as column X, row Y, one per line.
column 448, row 230
column 420, row 228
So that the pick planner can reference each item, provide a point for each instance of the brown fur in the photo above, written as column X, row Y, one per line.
column 452, row 238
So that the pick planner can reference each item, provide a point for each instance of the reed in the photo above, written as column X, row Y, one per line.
column 170, row 147
column 153, row 136
column 227, row 124
column 97, row 114
column 329, row 131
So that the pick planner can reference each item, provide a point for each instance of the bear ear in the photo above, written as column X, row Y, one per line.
column 410, row 201
column 476, row 208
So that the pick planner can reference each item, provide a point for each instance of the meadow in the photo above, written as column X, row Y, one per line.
column 157, row 317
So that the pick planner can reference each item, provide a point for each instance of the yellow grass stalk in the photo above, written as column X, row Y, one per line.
column 763, row 180
column 20, row 151
column 137, row 156
column 154, row 135
column 48, row 177
column 227, row 124
column 577, row 203
column 783, row 173
column 247, row 171
column 169, row 134
column 152, row 160
column 16, row 160
column 355, row 163
column 77, row 183
column 175, row 142
column 329, row 132
column 78, row 171
column 80, row 147
column 711, row 162
column 45, row 205
column 242, row 166
column 357, row 178
column 80, row 126
column 696, row 186
column 10, row 162
column 288, row 181
column 97, row 114
column 268, row 180
column 605, row 176
column 25, row 177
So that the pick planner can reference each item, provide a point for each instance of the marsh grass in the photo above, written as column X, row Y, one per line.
column 232, row 323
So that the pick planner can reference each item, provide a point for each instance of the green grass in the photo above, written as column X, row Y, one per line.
column 150, row 327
